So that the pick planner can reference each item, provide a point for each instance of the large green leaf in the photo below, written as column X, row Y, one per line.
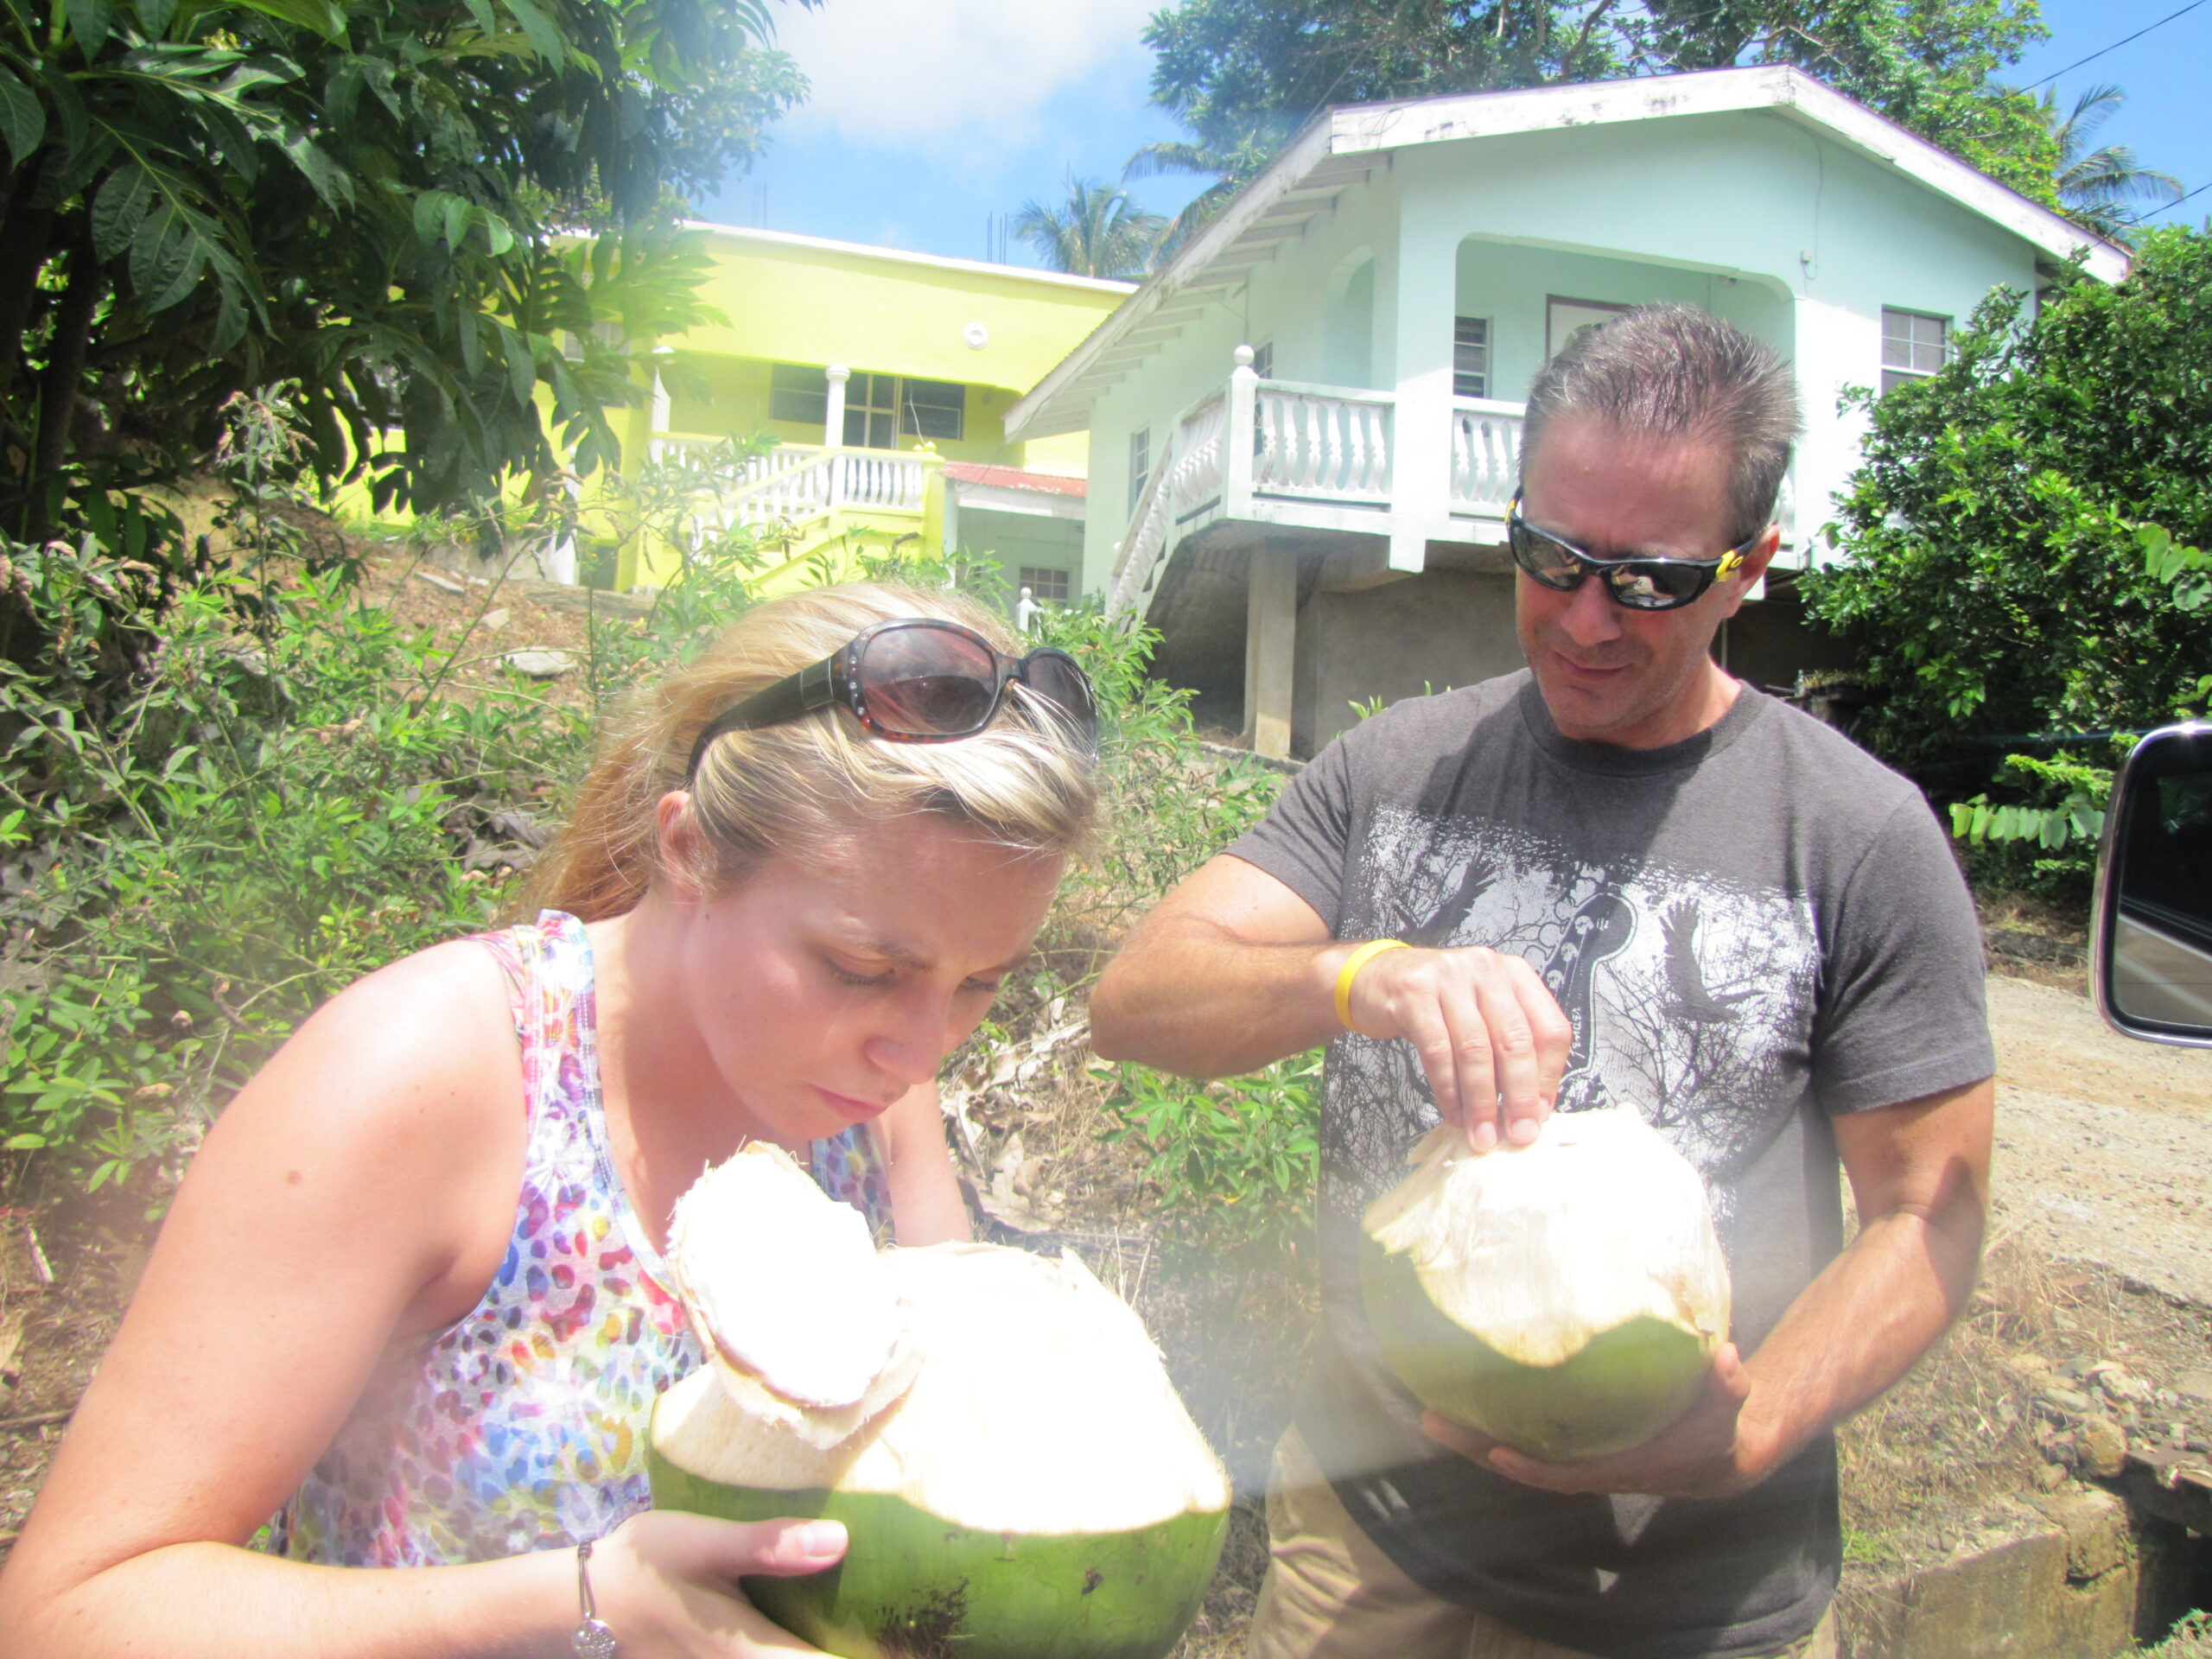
column 330, row 181
column 89, row 23
column 320, row 16
column 522, row 369
column 543, row 36
column 22, row 119
column 120, row 207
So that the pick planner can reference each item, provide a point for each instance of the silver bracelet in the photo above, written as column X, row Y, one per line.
column 593, row 1640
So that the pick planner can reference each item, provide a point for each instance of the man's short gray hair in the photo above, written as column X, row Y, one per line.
column 1675, row 372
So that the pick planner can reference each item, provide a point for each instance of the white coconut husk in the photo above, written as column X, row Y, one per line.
column 785, row 1291
column 1039, row 1406
column 1537, row 1249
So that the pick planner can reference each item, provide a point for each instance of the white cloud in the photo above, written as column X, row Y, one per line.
column 949, row 72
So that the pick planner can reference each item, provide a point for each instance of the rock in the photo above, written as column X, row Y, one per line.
column 512, row 823
column 2066, row 1399
column 2032, row 1368
column 2120, row 1383
column 539, row 664
column 2195, row 1385
column 2101, row 1448
column 494, row 620
column 444, row 584
column 2050, row 1477
column 2095, row 1525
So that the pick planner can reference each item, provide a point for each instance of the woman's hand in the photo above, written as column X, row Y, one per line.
column 665, row 1583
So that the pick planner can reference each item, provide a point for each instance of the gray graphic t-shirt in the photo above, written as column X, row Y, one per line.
column 1751, row 930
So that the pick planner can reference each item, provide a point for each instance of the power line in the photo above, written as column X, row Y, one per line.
column 2116, row 45
column 2176, row 202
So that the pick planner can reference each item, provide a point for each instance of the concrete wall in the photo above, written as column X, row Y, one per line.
column 1429, row 632
column 1014, row 539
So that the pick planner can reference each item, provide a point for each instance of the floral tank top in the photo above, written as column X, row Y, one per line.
column 522, row 1426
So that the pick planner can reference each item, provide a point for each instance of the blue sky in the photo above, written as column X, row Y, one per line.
column 928, row 117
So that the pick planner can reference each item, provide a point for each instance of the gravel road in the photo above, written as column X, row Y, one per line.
column 2104, row 1144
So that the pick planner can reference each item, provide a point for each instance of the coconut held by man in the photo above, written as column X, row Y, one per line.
column 1566, row 1299
column 996, row 1431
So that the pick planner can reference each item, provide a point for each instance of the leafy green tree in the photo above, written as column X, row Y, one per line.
column 2095, row 186
column 1097, row 232
column 1244, row 75
column 364, row 196
column 2008, row 545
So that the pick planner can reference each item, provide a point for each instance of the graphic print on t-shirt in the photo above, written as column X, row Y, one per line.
column 1690, row 996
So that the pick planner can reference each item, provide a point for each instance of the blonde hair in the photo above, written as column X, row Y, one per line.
column 793, row 789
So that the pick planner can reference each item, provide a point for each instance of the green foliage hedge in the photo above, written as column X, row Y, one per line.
column 2021, row 545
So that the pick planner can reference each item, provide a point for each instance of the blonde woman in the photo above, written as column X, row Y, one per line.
column 410, row 1294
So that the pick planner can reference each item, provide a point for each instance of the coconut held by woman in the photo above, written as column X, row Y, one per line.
column 411, row 1299
column 1565, row 1299
column 993, row 1429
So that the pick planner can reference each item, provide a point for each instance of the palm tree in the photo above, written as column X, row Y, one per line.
column 2095, row 185
column 1230, row 169
column 1098, row 232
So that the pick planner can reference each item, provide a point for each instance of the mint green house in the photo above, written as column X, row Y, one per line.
column 1305, row 431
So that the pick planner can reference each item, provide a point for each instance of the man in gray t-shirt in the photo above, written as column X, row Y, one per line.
column 1625, row 880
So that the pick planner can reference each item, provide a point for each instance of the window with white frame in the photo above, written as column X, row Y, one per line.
column 1471, row 356
column 1045, row 584
column 798, row 394
column 1914, row 345
column 872, row 412
column 1263, row 359
column 1140, row 464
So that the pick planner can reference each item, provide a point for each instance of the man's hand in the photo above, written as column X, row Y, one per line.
column 1234, row 971
column 1710, row 1452
column 1493, row 1043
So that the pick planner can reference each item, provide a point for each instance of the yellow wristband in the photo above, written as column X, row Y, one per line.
column 1358, row 959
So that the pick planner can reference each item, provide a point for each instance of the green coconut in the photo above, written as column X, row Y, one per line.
column 1565, row 1298
column 1033, row 1489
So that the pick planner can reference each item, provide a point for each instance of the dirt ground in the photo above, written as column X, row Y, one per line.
column 2104, row 1142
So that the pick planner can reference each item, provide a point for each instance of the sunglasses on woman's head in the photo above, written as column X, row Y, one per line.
column 1640, row 582
column 916, row 680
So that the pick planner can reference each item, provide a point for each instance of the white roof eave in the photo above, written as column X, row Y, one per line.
column 1029, row 418
column 1058, row 404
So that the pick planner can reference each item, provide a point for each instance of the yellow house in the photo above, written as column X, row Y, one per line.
column 885, row 378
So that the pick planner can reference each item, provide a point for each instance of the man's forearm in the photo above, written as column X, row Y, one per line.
column 1861, row 1324
column 1191, row 997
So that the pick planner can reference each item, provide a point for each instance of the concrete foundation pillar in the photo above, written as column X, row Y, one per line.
column 1270, row 641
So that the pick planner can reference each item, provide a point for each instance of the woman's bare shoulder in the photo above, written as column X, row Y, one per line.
column 404, row 1090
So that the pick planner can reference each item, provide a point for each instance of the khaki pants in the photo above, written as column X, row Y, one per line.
column 1331, row 1594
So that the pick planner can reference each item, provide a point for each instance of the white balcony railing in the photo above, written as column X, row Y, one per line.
column 795, row 482
column 1327, row 459
column 1324, row 443
column 1485, row 453
column 1186, row 482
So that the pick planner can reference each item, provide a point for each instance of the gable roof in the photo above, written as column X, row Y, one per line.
column 1339, row 149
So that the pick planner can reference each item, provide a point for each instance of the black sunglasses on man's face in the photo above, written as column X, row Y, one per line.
column 1640, row 581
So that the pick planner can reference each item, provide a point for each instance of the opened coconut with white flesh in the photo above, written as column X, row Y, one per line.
column 1031, row 1488
column 1565, row 1298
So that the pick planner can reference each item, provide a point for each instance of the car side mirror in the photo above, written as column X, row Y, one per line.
column 2150, row 943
